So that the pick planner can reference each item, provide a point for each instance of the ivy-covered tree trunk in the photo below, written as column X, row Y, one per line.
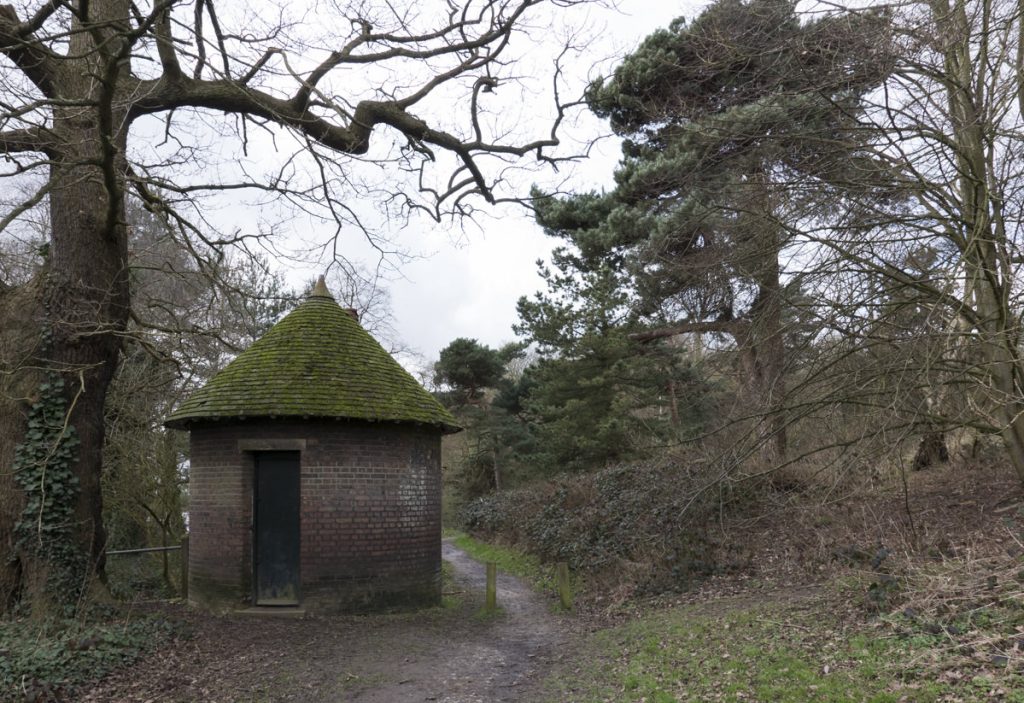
column 19, row 380
column 84, row 291
column 86, row 307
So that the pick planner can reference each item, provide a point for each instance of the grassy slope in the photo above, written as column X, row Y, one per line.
column 952, row 610
column 781, row 648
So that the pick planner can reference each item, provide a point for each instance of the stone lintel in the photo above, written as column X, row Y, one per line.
column 271, row 445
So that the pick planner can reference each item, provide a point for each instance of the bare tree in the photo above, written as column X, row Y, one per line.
column 948, row 137
column 185, row 323
column 83, row 80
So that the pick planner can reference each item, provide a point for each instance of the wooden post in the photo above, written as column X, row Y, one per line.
column 492, row 587
column 184, row 568
column 564, row 589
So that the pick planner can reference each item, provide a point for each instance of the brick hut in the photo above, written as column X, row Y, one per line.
column 315, row 474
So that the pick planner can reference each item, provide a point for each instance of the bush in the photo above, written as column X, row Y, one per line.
column 640, row 522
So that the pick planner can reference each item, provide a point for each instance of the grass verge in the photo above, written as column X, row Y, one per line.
column 781, row 650
column 511, row 561
column 451, row 597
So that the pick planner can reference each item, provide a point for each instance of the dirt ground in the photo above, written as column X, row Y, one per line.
column 451, row 655
column 958, row 514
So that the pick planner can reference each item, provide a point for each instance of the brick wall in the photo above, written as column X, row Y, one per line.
column 370, row 511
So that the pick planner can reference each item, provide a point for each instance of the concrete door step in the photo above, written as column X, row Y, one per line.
column 274, row 611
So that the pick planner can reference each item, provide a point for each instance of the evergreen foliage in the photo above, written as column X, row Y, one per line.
column 652, row 515
column 467, row 367
column 735, row 129
column 596, row 396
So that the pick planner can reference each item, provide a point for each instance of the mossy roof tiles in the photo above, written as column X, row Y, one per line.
column 316, row 362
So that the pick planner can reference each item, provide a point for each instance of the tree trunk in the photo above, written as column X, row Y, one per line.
column 83, row 297
column 1006, row 391
column 86, row 303
column 985, row 249
column 20, row 311
column 673, row 402
column 760, row 339
column 764, row 394
column 930, row 451
column 497, row 470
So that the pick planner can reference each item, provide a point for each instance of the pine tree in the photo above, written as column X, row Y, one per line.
column 735, row 131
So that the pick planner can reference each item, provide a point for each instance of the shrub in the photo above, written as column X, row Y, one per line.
column 639, row 522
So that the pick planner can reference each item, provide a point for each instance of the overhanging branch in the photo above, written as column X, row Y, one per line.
column 24, row 140
column 34, row 59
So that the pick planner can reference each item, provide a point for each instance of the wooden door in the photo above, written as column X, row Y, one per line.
column 276, row 514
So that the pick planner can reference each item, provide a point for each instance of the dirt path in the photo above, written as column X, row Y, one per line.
column 497, row 662
column 450, row 655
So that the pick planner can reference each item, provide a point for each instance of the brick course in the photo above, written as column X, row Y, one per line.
column 370, row 512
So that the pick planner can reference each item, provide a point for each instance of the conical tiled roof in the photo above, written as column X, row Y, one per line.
column 316, row 362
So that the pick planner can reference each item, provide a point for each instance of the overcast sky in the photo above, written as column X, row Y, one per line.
column 467, row 283
column 451, row 281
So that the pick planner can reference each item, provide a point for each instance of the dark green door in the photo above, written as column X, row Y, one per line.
column 276, row 509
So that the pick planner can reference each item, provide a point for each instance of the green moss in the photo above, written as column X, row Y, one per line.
column 316, row 362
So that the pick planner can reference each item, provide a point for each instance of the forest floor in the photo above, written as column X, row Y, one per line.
column 451, row 654
column 911, row 594
column 901, row 591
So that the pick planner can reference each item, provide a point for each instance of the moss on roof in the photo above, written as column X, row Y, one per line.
column 316, row 362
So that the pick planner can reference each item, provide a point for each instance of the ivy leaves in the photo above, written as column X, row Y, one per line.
column 43, row 470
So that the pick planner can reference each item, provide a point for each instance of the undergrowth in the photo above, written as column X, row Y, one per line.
column 922, row 627
column 134, row 576
column 44, row 662
column 645, row 524
column 968, row 604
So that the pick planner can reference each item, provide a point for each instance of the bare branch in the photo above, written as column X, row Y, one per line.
column 37, row 20
column 495, row 38
column 25, row 140
column 251, row 73
column 165, row 44
column 34, row 59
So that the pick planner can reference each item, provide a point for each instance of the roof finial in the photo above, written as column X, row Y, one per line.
column 320, row 290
